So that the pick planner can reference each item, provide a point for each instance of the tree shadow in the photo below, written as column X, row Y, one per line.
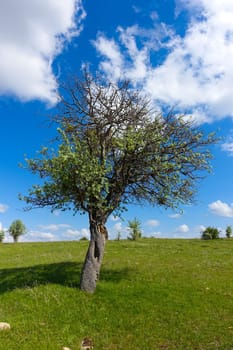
column 63, row 273
column 116, row 276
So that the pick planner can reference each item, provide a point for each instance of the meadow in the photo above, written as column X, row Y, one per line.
column 152, row 294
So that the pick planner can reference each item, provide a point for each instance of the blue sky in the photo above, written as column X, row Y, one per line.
column 179, row 52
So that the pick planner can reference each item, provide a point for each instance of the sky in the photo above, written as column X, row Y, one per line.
column 179, row 52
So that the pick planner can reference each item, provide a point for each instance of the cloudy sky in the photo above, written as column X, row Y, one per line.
column 179, row 52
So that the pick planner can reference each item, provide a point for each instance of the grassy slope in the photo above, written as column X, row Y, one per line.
column 153, row 294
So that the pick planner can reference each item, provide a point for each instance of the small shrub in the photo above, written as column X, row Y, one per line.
column 206, row 236
column 228, row 231
column 84, row 238
column 2, row 235
column 118, row 236
column 210, row 233
column 135, row 230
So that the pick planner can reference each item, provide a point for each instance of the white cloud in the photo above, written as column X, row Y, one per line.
column 228, row 147
column 112, row 51
column 3, row 208
column 37, row 236
column 32, row 34
column 51, row 233
column 199, row 229
column 114, row 218
column 85, row 232
column 56, row 212
column 197, row 72
column 77, row 234
column 54, row 227
column 118, row 227
column 155, row 234
column 183, row 228
column 72, row 233
column 175, row 216
column 153, row 223
column 7, row 238
column 221, row 209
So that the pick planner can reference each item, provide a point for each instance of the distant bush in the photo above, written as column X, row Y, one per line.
column 135, row 232
column 2, row 235
column 84, row 239
column 228, row 231
column 118, row 236
column 210, row 233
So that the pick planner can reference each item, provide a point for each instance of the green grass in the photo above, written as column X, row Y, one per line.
column 153, row 294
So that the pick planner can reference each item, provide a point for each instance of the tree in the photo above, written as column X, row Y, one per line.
column 228, row 231
column 16, row 229
column 118, row 236
column 111, row 150
column 210, row 233
column 135, row 229
column 2, row 235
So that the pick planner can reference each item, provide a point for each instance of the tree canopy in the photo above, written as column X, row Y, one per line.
column 16, row 229
column 113, row 150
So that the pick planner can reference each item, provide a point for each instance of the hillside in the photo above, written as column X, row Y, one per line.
column 153, row 294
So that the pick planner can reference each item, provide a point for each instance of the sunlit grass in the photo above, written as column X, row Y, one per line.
column 153, row 294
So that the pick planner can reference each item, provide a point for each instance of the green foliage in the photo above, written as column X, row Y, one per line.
column 2, row 235
column 16, row 229
column 210, row 233
column 135, row 229
column 228, row 231
column 114, row 150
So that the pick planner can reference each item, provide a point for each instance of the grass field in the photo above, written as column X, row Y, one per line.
column 153, row 294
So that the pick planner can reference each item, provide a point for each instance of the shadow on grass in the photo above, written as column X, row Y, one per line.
column 116, row 275
column 63, row 273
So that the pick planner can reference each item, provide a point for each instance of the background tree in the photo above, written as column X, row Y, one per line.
column 112, row 149
column 16, row 229
column 210, row 233
column 135, row 231
column 228, row 231
column 118, row 236
column 2, row 235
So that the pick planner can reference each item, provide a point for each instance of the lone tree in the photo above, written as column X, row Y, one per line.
column 16, row 229
column 112, row 149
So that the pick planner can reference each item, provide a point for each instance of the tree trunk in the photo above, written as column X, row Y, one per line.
column 93, row 260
